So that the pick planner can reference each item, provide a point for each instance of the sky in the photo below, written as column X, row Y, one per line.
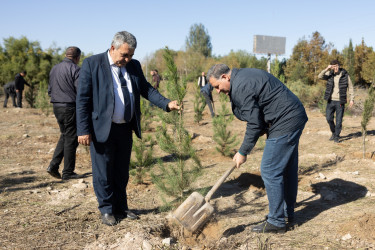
column 91, row 24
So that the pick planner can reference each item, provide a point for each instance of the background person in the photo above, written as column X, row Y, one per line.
column 155, row 78
column 338, row 85
column 206, row 91
column 267, row 105
column 62, row 88
column 202, row 81
column 9, row 90
column 108, row 110
column 19, row 83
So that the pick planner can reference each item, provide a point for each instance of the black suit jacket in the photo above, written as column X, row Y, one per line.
column 95, row 96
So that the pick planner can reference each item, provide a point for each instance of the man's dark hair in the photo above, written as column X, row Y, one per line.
column 156, row 71
column 72, row 52
column 334, row 62
column 24, row 72
column 217, row 70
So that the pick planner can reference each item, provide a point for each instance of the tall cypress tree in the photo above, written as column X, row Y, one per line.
column 176, row 178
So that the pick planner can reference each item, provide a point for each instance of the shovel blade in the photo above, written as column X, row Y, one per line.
column 193, row 212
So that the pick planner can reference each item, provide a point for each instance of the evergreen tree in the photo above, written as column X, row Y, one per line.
column 143, row 148
column 174, row 139
column 199, row 104
column 222, row 135
column 42, row 100
column 198, row 40
column 366, row 115
column 349, row 65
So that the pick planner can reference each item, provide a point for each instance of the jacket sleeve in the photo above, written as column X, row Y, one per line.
column 323, row 75
column 251, row 113
column 149, row 92
column 84, row 100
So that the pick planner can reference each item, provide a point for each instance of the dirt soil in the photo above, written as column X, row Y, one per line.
column 335, row 206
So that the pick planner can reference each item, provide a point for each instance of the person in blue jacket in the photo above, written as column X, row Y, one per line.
column 267, row 106
column 206, row 91
column 108, row 110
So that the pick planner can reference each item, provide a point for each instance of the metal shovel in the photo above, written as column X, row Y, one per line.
column 196, row 210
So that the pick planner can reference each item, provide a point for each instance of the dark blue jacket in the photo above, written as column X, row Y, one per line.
column 96, row 101
column 266, row 104
column 207, row 89
column 63, row 82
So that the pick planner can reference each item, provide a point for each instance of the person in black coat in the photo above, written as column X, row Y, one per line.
column 20, row 83
column 62, row 88
column 268, row 106
column 9, row 90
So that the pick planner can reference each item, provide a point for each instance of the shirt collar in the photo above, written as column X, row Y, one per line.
column 111, row 63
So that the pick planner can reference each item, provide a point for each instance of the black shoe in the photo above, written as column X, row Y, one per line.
column 336, row 139
column 53, row 172
column 126, row 214
column 288, row 220
column 72, row 176
column 267, row 227
column 332, row 137
column 109, row 219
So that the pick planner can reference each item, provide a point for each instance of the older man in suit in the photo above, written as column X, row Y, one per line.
column 108, row 110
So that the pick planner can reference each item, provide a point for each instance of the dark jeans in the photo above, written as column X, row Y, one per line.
column 332, row 107
column 67, row 145
column 19, row 98
column 279, row 170
column 209, row 104
column 110, row 168
column 12, row 95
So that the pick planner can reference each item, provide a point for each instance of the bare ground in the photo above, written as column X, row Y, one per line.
column 335, row 208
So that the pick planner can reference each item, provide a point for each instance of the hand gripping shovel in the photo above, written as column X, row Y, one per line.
column 196, row 210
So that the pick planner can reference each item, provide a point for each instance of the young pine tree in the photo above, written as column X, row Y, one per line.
column 222, row 135
column 30, row 94
column 174, row 179
column 42, row 100
column 143, row 148
column 199, row 104
column 366, row 115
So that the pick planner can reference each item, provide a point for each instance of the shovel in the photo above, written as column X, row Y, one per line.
column 196, row 210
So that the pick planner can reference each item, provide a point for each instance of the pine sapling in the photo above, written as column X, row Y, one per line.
column 222, row 135
column 366, row 115
column 184, row 167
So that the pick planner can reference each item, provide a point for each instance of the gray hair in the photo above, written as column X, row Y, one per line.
column 124, row 37
column 217, row 70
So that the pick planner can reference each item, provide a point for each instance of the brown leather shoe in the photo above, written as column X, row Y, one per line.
column 109, row 219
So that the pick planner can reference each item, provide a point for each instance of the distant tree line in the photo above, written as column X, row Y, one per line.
column 309, row 57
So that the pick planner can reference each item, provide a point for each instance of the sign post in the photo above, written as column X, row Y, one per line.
column 269, row 45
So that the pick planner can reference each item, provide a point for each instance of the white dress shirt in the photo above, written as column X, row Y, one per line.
column 118, row 114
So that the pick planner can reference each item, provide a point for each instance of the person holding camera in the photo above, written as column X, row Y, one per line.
column 338, row 85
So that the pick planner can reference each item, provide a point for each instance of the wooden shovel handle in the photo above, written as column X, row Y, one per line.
column 218, row 183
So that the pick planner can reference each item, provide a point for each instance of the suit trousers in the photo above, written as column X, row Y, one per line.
column 19, row 98
column 110, row 168
column 67, row 145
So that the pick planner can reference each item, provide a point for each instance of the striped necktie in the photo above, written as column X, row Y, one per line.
column 125, row 92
